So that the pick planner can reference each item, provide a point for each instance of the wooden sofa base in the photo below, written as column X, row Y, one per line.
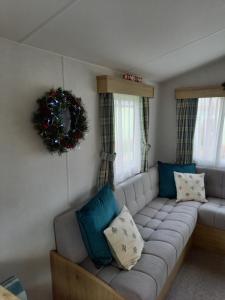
column 72, row 282
column 209, row 238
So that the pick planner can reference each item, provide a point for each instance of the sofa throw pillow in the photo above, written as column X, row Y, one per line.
column 14, row 285
column 125, row 240
column 167, row 187
column 190, row 187
column 93, row 218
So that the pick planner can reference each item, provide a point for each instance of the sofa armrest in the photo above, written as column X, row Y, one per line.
column 72, row 282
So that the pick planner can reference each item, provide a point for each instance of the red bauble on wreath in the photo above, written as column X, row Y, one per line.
column 60, row 120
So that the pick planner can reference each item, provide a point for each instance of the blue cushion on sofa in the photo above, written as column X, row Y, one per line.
column 167, row 187
column 14, row 285
column 93, row 218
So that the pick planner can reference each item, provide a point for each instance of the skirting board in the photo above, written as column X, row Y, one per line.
column 209, row 238
column 72, row 282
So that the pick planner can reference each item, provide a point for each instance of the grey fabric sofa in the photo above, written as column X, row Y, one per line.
column 166, row 227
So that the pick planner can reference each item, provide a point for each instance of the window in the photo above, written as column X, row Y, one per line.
column 209, row 137
column 127, row 136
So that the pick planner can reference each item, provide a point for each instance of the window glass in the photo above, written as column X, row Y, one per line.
column 127, row 136
column 209, row 137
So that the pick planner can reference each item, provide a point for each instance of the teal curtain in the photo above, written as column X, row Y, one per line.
column 145, row 134
column 186, row 112
column 106, row 117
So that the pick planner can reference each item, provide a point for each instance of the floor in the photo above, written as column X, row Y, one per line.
column 202, row 277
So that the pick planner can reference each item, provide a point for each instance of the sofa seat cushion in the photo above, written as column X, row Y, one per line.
column 165, row 227
column 167, row 221
column 143, row 282
column 163, row 250
column 213, row 213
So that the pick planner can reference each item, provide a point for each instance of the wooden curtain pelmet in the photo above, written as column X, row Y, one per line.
column 200, row 92
column 109, row 84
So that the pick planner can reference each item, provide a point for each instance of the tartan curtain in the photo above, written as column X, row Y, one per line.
column 145, row 134
column 186, row 112
column 106, row 117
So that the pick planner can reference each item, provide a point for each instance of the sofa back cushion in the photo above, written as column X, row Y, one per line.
column 214, row 182
column 135, row 193
column 68, row 239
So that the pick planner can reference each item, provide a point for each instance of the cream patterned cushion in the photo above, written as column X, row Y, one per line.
column 190, row 187
column 124, row 240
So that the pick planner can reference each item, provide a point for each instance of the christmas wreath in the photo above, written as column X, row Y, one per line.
column 60, row 120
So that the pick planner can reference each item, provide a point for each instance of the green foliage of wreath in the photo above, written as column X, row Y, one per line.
column 60, row 120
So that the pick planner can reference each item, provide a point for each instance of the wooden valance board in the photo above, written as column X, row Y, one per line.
column 109, row 84
column 200, row 92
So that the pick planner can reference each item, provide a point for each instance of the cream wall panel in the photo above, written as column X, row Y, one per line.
column 35, row 186
column 83, row 163
column 153, row 130
column 33, row 182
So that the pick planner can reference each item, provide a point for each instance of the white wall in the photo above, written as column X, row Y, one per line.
column 153, row 120
column 211, row 74
column 35, row 185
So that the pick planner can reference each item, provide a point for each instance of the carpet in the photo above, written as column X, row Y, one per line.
column 202, row 277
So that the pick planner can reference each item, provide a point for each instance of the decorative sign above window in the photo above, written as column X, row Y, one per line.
column 60, row 120
column 109, row 84
column 132, row 77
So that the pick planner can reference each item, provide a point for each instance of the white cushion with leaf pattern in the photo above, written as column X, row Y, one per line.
column 124, row 240
column 190, row 187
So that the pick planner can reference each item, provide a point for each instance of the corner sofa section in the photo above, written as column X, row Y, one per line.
column 213, row 213
column 166, row 227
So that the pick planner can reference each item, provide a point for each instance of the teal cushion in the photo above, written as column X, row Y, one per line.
column 14, row 285
column 167, row 186
column 93, row 218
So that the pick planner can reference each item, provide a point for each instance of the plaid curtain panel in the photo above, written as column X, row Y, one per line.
column 186, row 112
column 106, row 116
column 14, row 285
column 145, row 134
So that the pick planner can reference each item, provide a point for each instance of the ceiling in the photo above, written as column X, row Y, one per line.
column 156, row 38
